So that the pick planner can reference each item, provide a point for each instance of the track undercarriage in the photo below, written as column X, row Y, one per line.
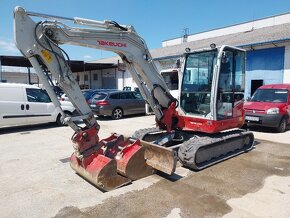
column 199, row 150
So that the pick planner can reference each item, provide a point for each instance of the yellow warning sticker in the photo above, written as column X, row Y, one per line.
column 46, row 55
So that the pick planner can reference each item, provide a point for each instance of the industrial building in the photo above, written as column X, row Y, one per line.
column 266, row 40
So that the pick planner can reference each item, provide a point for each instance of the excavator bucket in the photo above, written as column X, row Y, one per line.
column 129, row 156
column 160, row 158
column 101, row 171
column 118, row 161
column 131, row 161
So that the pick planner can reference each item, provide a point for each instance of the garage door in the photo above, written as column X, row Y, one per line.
column 264, row 66
column 109, row 79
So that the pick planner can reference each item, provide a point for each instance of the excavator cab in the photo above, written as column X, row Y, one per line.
column 212, row 89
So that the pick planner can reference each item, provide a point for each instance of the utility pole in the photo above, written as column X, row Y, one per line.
column 184, row 35
column 0, row 70
column 29, row 76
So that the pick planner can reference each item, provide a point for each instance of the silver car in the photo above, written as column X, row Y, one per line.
column 117, row 103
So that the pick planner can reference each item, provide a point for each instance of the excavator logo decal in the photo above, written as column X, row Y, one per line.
column 112, row 44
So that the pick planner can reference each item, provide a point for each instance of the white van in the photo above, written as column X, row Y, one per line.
column 22, row 104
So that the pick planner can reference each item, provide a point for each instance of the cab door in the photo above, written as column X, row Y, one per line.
column 39, row 108
column 231, row 83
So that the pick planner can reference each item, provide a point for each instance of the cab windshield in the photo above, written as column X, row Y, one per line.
column 196, row 83
column 270, row 95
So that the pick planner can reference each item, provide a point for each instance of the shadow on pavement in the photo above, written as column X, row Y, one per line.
column 28, row 128
column 264, row 129
column 108, row 118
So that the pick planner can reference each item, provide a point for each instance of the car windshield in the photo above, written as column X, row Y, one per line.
column 99, row 96
column 88, row 94
column 270, row 95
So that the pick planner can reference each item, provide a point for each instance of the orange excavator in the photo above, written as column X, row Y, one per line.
column 200, row 128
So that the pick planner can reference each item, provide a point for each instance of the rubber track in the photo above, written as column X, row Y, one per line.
column 141, row 133
column 204, row 151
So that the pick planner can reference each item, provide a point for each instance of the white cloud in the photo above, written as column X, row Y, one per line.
column 8, row 48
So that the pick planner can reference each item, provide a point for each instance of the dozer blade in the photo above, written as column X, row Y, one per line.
column 160, row 158
column 101, row 171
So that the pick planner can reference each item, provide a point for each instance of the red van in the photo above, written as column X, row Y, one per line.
column 269, row 107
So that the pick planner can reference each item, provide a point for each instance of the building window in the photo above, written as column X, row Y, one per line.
column 86, row 78
column 96, row 77
column 78, row 78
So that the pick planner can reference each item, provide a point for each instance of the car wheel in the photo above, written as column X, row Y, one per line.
column 117, row 113
column 59, row 121
column 282, row 126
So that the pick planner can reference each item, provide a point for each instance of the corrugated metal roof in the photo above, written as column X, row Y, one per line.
column 256, row 36
column 76, row 66
column 278, row 33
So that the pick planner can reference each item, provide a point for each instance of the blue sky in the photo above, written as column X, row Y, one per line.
column 154, row 20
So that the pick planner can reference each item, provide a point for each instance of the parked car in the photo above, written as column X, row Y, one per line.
column 64, row 96
column 88, row 93
column 22, row 104
column 269, row 107
column 117, row 103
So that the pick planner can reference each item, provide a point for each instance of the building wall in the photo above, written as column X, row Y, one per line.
column 286, row 78
column 266, row 65
column 96, row 79
column 124, row 78
column 14, row 77
column 109, row 80
column 80, row 78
